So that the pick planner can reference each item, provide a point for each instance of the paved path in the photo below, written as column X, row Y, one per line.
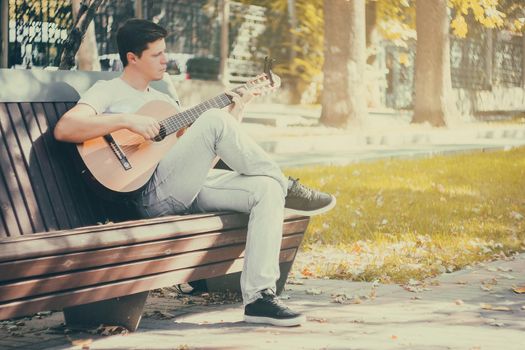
column 454, row 311
column 290, row 136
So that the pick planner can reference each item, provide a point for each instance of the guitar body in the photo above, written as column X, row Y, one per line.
column 142, row 155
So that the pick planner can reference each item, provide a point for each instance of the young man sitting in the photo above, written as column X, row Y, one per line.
column 183, row 181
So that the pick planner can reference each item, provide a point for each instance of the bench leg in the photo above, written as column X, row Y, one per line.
column 231, row 281
column 123, row 311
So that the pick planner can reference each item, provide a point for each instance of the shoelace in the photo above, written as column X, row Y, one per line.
column 300, row 190
column 274, row 300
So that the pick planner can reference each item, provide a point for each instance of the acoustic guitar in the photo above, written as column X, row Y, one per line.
column 122, row 162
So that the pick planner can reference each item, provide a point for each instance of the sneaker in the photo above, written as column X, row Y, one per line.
column 305, row 201
column 268, row 309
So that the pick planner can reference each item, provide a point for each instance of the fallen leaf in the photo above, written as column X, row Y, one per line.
column 356, row 300
column 162, row 315
column 486, row 288
column 494, row 308
column 515, row 215
column 413, row 282
column 313, row 291
column 501, row 308
column 295, row 282
column 84, row 343
column 394, row 337
column 339, row 299
column 356, row 248
column 519, row 289
column 486, row 306
column 504, row 269
column 507, row 276
column 491, row 281
column 459, row 302
column 111, row 330
column 306, row 272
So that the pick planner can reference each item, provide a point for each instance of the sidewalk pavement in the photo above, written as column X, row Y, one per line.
column 293, row 137
column 472, row 309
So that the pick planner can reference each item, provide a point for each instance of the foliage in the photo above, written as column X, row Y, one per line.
column 485, row 12
column 401, row 219
column 58, row 12
column 300, row 59
column 396, row 18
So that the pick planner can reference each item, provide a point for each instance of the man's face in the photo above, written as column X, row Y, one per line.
column 152, row 63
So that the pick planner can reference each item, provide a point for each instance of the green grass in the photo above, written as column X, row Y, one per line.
column 402, row 219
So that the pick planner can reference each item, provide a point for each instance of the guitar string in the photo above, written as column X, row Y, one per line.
column 183, row 119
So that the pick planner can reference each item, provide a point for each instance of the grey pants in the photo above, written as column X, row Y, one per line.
column 184, row 183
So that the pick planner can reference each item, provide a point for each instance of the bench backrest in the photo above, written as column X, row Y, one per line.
column 39, row 187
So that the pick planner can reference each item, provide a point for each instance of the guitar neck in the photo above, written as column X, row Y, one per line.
column 183, row 119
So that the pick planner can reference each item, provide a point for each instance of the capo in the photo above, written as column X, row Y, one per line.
column 268, row 62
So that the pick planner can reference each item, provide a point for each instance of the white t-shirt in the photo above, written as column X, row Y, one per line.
column 117, row 96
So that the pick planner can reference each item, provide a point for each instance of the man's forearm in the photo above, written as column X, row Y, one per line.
column 79, row 129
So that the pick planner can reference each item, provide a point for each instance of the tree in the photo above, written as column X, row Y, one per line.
column 433, row 87
column 84, row 17
column 87, row 55
column 343, row 96
column 433, row 83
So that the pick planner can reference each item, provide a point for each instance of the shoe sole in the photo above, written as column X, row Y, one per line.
column 289, row 322
column 324, row 209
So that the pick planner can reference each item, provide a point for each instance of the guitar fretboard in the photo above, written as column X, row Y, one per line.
column 183, row 119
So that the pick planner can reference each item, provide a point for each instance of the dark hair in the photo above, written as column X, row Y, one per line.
column 135, row 35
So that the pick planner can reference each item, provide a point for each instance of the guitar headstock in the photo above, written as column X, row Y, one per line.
column 266, row 82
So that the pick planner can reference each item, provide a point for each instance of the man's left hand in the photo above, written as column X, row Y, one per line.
column 240, row 98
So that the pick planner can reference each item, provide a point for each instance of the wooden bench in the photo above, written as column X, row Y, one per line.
column 57, row 248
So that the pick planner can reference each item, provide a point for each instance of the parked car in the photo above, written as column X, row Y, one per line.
column 203, row 68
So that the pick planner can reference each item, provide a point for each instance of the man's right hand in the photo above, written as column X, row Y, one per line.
column 145, row 126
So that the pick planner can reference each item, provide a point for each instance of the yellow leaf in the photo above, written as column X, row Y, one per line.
column 460, row 26
column 519, row 289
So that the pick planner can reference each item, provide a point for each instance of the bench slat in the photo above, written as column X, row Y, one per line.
column 10, row 164
column 40, row 286
column 28, row 174
column 9, row 224
column 39, row 167
column 85, row 200
column 21, row 269
column 63, row 159
column 100, row 236
column 47, row 144
column 52, row 207
column 127, row 287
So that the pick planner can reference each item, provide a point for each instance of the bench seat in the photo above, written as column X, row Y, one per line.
column 62, row 247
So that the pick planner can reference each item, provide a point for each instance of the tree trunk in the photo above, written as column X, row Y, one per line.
column 225, row 42
column 87, row 55
column 433, row 84
column 85, row 15
column 344, row 93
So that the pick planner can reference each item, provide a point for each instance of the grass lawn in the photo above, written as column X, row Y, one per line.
column 397, row 220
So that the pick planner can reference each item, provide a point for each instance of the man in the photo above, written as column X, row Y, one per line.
column 183, row 181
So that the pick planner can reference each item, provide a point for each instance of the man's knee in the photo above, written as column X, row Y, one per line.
column 215, row 118
column 267, row 188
